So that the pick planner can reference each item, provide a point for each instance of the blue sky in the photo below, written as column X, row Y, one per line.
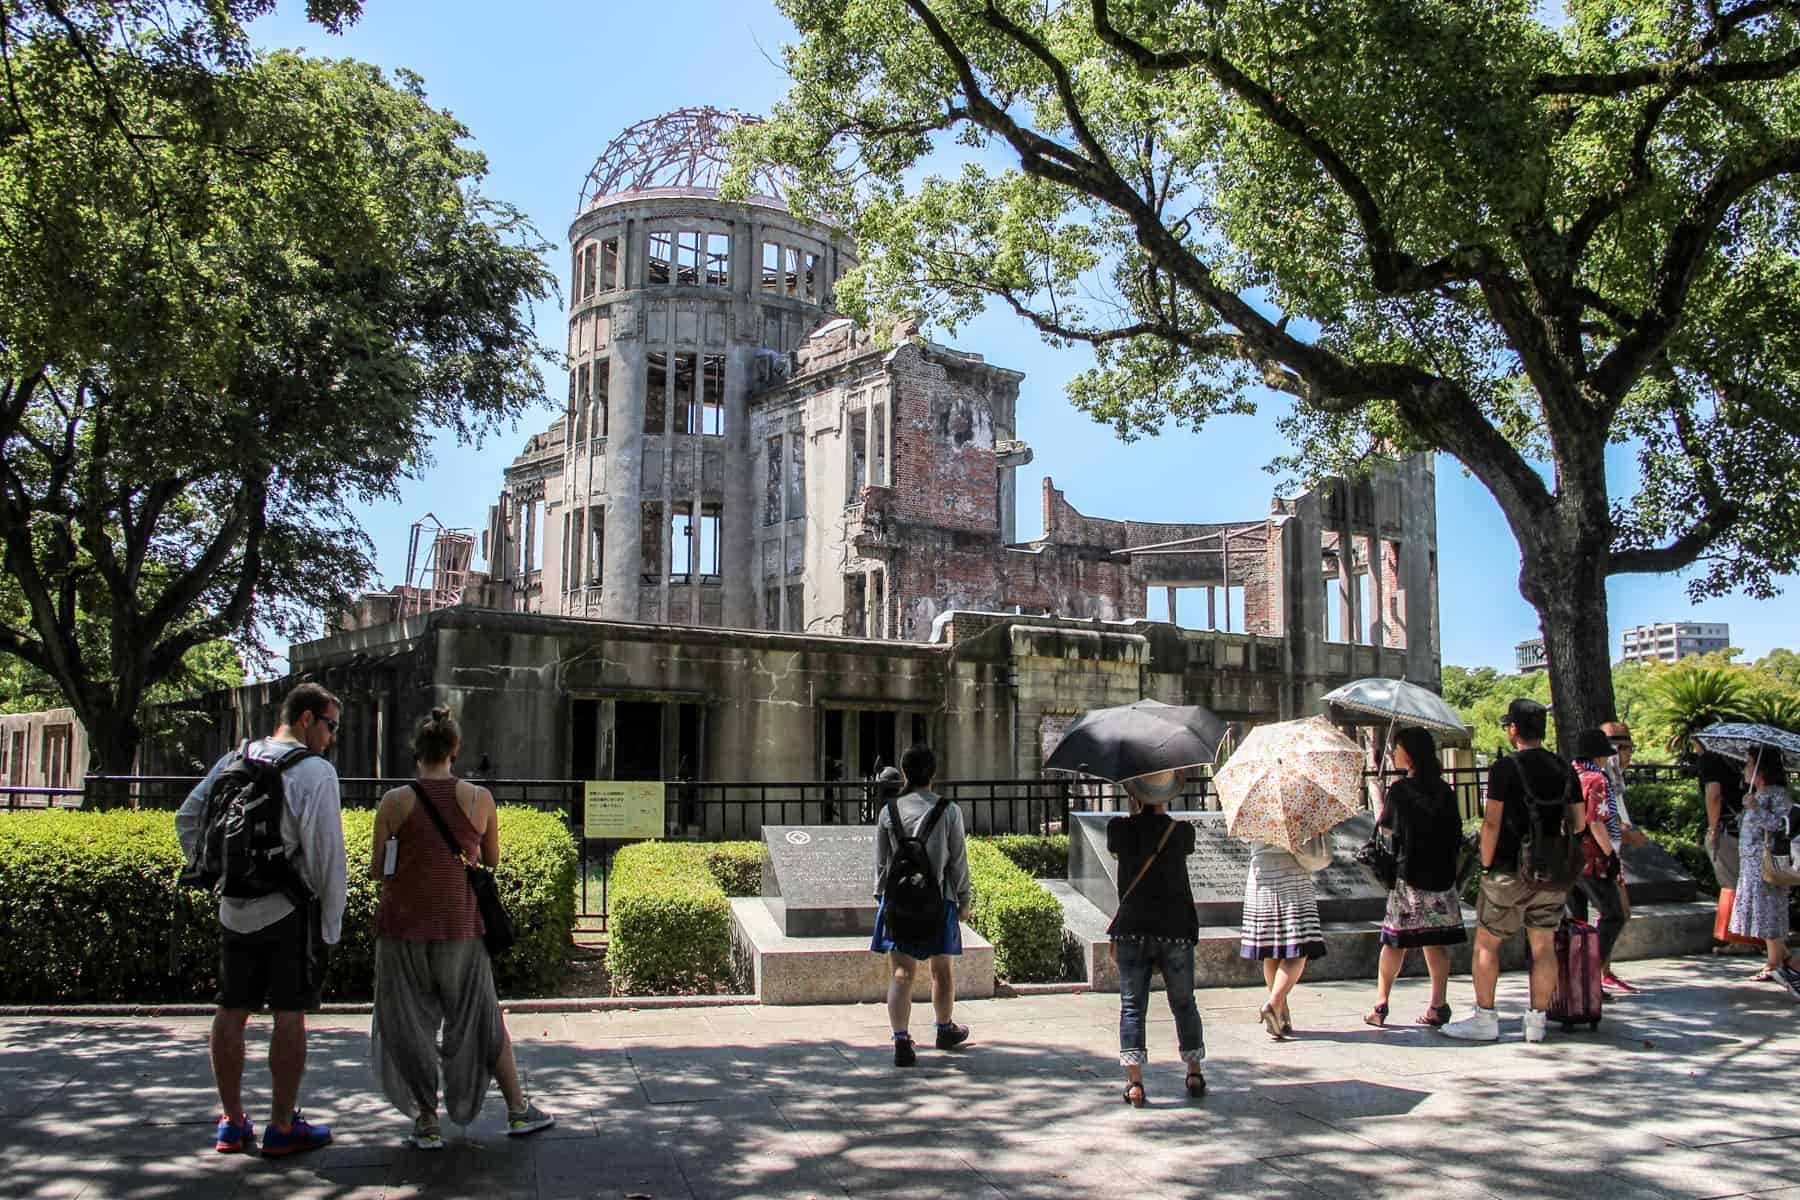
column 544, row 86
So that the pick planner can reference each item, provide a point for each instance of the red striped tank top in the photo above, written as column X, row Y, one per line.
column 427, row 898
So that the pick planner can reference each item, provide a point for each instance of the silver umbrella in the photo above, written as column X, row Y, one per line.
column 1739, row 740
column 1393, row 702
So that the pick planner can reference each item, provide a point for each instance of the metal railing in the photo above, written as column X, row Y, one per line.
column 731, row 810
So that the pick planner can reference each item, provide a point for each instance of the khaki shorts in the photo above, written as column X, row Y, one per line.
column 1507, row 905
column 1725, row 856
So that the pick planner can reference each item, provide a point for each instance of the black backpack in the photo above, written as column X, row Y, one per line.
column 240, row 853
column 915, row 898
column 1550, row 854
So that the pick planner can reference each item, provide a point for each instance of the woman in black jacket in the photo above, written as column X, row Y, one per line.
column 1423, row 908
column 1156, row 926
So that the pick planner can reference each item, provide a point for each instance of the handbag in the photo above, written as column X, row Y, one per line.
column 499, row 934
column 1778, row 869
column 1314, row 854
column 1379, row 857
column 1142, row 871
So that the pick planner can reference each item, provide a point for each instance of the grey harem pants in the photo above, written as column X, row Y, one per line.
column 420, row 986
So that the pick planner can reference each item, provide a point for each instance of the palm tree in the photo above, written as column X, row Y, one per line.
column 1780, row 709
column 1687, row 700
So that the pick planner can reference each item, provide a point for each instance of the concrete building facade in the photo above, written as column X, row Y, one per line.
column 1670, row 641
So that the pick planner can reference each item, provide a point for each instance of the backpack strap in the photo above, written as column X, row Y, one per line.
column 927, row 823
column 1531, row 797
column 437, row 819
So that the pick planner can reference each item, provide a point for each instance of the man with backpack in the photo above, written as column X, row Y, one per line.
column 922, row 881
column 1531, row 856
column 264, row 830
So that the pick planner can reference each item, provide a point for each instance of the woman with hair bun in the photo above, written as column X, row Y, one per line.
column 432, row 974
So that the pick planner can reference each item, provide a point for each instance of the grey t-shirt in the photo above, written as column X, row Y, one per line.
column 312, row 831
column 945, row 845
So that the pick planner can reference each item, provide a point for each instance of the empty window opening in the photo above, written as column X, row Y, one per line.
column 650, row 556
column 602, row 384
column 772, row 486
column 575, row 272
column 795, row 615
column 681, row 543
column 1365, row 609
column 609, row 263
column 772, row 606
column 582, row 393
column 687, row 258
column 878, row 449
column 859, row 437
column 577, row 543
column 584, row 739
column 771, row 267
column 796, row 477
column 878, row 624
column 656, row 383
column 791, row 278
column 856, row 600
column 718, row 260
column 567, row 571
column 637, row 739
column 589, row 263
column 1210, row 608
column 812, row 278
column 662, row 255
column 707, row 562
column 596, row 553
column 687, row 414
column 712, row 395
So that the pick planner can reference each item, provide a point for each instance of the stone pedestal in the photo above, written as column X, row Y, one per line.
column 779, row 969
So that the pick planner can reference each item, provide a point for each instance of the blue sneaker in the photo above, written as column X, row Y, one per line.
column 236, row 1137
column 299, row 1137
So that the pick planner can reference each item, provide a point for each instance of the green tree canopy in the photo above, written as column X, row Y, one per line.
column 239, row 292
column 1440, row 226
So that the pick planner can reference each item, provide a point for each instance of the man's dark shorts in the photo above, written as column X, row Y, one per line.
column 280, row 966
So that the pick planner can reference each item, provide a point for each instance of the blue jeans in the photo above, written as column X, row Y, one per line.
column 1135, row 961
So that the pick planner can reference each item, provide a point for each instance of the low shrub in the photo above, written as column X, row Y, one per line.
column 737, row 866
column 1021, row 919
column 90, row 910
column 1041, row 857
column 669, row 921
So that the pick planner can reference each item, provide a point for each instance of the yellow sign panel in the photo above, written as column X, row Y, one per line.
column 618, row 809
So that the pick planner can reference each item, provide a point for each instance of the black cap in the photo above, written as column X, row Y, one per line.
column 1593, row 743
column 1522, row 708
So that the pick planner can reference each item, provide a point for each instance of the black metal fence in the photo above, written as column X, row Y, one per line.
column 718, row 811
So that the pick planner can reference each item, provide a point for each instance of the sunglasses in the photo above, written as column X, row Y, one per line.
column 328, row 723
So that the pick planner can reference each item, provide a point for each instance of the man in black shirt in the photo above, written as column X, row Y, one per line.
column 1722, row 792
column 1507, row 903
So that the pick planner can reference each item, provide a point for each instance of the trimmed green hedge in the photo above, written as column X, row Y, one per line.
column 737, row 867
column 90, row 910
column 1041, row 857
column 668, row 920
column 1021, row 919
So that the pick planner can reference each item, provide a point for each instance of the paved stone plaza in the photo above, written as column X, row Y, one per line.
column 1689, row 1089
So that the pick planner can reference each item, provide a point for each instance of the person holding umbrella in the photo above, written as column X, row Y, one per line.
column 1288, row 785
column 1423, row 908
column 1156, row 927
column 1761, row 909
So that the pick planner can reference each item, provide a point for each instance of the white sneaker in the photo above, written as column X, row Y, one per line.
column 1537, row 1025
column 1481, row 1025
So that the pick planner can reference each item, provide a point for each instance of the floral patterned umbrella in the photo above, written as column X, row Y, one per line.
column 1289, row 782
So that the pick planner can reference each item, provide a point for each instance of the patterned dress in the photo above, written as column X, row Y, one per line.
column 1281, row 911
column 1760, row 911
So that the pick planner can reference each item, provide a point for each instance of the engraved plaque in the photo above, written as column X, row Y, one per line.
column 819, row 880
column 1219, row 866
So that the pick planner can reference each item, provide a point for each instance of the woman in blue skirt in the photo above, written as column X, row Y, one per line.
column 920, row 808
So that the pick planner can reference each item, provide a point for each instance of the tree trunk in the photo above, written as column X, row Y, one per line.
column 1566, row 583
column 113, row 740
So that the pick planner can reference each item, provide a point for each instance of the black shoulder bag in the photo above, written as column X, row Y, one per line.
column 1380, row 855
column 499, row 934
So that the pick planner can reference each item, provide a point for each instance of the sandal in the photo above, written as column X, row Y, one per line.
column 1763, row 976
column 1376, row 1016
column 1136, row 1101
column 1196, row 1084
column 1437, row 1017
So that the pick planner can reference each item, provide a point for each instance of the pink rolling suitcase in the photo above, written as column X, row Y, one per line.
column 1579, row 997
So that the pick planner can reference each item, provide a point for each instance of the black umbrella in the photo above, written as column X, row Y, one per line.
column 1131, row 740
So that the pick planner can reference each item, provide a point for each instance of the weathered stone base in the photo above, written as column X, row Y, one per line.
column 1352, row 947
column 833, row 970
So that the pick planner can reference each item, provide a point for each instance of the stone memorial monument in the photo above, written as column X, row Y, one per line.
column 805, row 939
column 819, row 880
column 1219, row 865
